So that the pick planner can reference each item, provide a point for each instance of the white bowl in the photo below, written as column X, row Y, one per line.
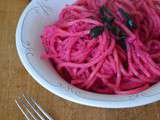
column 40, row 13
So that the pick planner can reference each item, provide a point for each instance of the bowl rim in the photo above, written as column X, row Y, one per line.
column 49, row 87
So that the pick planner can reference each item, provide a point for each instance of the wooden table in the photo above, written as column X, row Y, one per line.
column 15, row 81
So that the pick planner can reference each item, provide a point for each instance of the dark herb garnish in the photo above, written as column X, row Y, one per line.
column 114, row 29
column 123, row 37
column 104, row 10
column 120, row 35
column 130, row 24
column 101, row 10
column 123, row 42
column 108, row 20
column 129, row 21
column 125, row 14
column 96, row 31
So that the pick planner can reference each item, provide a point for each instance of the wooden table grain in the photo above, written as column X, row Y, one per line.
column 14, row 80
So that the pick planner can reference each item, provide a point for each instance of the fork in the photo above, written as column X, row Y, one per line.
column 30, row 109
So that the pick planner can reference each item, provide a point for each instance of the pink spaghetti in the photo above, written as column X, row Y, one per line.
column 106, row 46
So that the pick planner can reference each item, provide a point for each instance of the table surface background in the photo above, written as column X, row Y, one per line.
column 14, row 81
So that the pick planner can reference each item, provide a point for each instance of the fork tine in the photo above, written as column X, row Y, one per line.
column 24, row 113
column 40, row 108
column 39, row 115
column 27, row 109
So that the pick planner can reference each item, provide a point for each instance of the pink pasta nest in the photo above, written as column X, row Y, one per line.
column 106, row 46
